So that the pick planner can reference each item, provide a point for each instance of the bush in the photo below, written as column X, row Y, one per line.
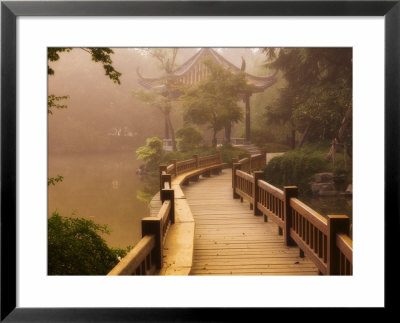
column 295, row 168
column 75, row 247
column 190, row 138
column 261, row 136
column 228, row 152
column 275, row 147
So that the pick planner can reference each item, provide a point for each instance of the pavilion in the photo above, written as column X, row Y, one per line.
column 193, row 71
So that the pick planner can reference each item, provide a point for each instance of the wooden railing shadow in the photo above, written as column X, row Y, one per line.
column 325, row 241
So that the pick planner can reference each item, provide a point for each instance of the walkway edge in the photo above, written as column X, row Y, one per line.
column 178, row 247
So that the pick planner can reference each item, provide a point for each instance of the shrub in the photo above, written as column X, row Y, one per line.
column 190, row 138
column 295, row 168
column 75, row 247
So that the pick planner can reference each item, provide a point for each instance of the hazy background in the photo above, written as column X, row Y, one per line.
column 100, row 181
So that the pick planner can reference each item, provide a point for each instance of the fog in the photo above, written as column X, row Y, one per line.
column 97, row 165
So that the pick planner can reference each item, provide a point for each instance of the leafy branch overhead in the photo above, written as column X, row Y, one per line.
column 99, row 55
column 52, row 102
column 54, row 180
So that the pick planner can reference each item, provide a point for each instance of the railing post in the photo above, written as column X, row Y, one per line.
column 336, row 224
column 174, row 161
column 249, row 157
column 169, row 194
column 196, row 158
column 153, row 226
column 234, row 161
column 257, row 175
column 289, row 192
column 264, row 153
column 234, row 168
column 163, row 168
column 218, row 157
column 165, row 178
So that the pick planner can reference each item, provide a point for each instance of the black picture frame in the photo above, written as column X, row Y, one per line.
column 10, row 10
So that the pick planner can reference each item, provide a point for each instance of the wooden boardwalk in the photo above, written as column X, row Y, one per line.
column 230, row 240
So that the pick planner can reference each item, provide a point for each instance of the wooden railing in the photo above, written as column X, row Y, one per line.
column 251, row 162
column 325, row 241
column 234, row 141
column 176, row 168
column 146, row 257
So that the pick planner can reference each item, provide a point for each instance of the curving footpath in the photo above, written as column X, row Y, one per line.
column 230, row 240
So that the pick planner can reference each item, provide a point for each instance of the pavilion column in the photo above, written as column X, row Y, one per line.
column 246, row 100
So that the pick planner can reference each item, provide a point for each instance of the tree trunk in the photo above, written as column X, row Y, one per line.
column 166, row 133
column 303, row 136
column 292, row 136
column 228, row 129
column 171, row 128
column 214, row 140
column 339, row 137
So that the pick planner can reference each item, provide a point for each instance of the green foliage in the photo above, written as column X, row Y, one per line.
column 101, row 55
column 52, row 102
column 54, row 180
column 151, row 153
column 275, row 147
column 76, row 247
column 214, row 100
column 318, row 91
column 190, row 138
column 228, row 152
column 170, row 90
column 297, row 167
column 261, row 136
column 52, row 56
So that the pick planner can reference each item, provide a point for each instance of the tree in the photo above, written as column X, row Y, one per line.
column 151, row 153
column 166, row 59
column 318, row 91
column 101, row 55
column 214, row 101
column 76, row 247
column 190, row 138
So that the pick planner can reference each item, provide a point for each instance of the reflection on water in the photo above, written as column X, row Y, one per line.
column 102, row 188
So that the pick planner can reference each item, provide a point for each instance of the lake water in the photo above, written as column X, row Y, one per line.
column 102, row 188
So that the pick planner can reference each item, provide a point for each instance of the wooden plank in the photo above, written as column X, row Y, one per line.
column 227, row 234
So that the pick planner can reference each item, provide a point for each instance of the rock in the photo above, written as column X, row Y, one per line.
column 325, row 184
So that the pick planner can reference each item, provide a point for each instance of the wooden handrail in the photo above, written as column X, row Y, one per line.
column 309, row 214
column 252, row 162
column 138, row 260
column 345, row 246
column 146, row 257
column 270, row 189
column 324, row 240
column 244, row 186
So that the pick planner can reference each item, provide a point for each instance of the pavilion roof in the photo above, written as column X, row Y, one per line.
column 257, row 83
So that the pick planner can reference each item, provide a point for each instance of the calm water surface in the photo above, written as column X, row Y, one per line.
column 102, row 188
